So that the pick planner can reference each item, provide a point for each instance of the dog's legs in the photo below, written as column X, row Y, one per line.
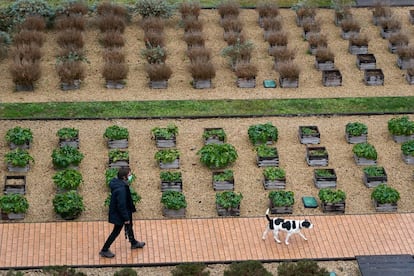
column 287, row 238
column 276, row 235
column 265, row 232
column 303, row 236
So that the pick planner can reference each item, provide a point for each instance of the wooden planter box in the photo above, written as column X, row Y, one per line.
column 374, row 181
column 331, row 78
column 373, row 77
column 118, row 144
column 69, row 142
column 171, row 186
column 313, row 49
column 280, row 209
column 366, row 61
column 274, row 184
column 213, row 139
column 246, row 83
column 165, row 143
column 412, row 16
column 325, row 181
column 12, row 168
column 393, row 48
column 309, row 139
column 402, row 138
column 386, row 33
column 14, row 184
column 316, row 160
column 170, row 213
column 306, row 35
column 364, row 162
column 408, row 159
column 333, row 207
column 347, row 35
column 274, row 47
column 222, row 185
column 163, row 84
column 172, row 165
column 289, row 83
column 272, row 161
column 325, row 65
column 114, row 84
column 386, row 207
column 75, row 85
column 405, row 63
column 409, row 78
column 356, row 139
column 355, row 49
column 26, row 145
column 233, row 212
column 376, row 20
column 12, row 216
column 24, row 87
column 202, row 84
column 118, row 163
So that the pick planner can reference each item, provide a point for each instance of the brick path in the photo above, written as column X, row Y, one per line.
column 172, row 241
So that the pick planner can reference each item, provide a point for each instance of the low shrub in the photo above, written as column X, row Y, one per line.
column 190, row 269
column 247, row 268
column 282, row 54
column 194, row 39
column 29, row 37
column 64, row 22
column 111, row 22
column 153, row 39
column 324, row 55
column 202, row 69
column 232, row 24
column 317, row 40
column 246, row 70
column 217, row 156
column 228, row 8
column 112, row 39
column 350, row 25
column 158, row 71
column 192, row 25
column 62, row 270
column 33, row 23
column 189, row 9
column 25, row 72
column 288, row 70
column 240, row 51
column 70, row 38
column 272, row 24
column 155, row 54
column 278, row 38
column 113, row 71
column 233, row 37
column 114, row 55
column 198, row 53
column 302, row 267
column 155, row 8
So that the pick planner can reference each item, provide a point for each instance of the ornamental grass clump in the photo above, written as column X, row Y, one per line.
column 267, row 9
column 233, row 37
column 158, row 71
column 228, row 8
column 282, row 54
column 244, row 70
column 29, row 37
column 358, row 40
column 231, row 24
column 398, row 38
column 406, row 52
column 70, row 38
column 156, row 24
column 324, row 55
column 33, row 23
column 350, row 25
column 194, row 39
column 189, row 9
column 278, row 38
column 317, row 40
column 202, row 69
column 192, row 25
column 153, row 38
column 288, row 70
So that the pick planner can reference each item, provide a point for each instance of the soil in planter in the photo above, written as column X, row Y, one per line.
column 331, row 77
column 14, row 184
column 374, row 77
column 366, row 61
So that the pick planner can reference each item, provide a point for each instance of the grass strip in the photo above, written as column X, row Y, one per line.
column 207, row 108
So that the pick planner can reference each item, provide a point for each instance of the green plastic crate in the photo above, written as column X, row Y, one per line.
column 309, row 202
column 269, row 83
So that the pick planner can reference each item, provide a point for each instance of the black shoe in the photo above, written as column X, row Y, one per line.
column 137, row 245
column 107, row 254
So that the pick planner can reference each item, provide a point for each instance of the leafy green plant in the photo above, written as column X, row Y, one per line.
column 68, row 205
column 225, row 175
column 167, row 155
column 302, row 267
column 68, row 179
column 136, row 198
column 112, row 173
column 264, row 150
column 126, row 271
column 262, row 133
column 18, row 158
column 317, row 152
column 307, row 131
column 13, row 203
column 165, row 132
column 190, row 269
column 384, row 194
column 65, row 156
column 115, row 155
column 217, row 133
column 68, row 133
column 324, row 173
column 173, row 200
column 19, row 135
column 401, row 126
column 365, row 150
column 116, row 133
column 356, row 129
column 407, row 148
column 327, row 195
column 274, row 173
column 167, row 176
column 217, row 155
column 157, row 8
column 247, row 268
column 374, row 171
column 282, row 198
column 229, row 199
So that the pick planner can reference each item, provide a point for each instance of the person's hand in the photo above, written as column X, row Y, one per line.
column 127, row 222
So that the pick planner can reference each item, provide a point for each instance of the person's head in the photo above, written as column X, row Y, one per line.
column 123, row 173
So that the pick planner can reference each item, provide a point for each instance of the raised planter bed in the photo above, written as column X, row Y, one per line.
column 26, row 145
column 409, row 78
column 405, row 63
column 331, row 78
column 386, row 207
column 366, row 61
column 333, row 207
column 267, row 161
column 324, row 180
column 309, row 135
column 280, row 209
column 326, row 65
column 214, row 139
column 114, row 84
column 69, row 142
column 355, row 50
column 288, row 83
column 364, row 162
column 171, row 165
column 246, row 83
column 317, row 156
column 171, row 213
column 412, row 16
column 349, row 34
column 233, row 212
column 373, row 77
column 408, row 159
column 118, row 144
column 225, row 185
column 163, row 84
column 171, row 186
column 274, row 184
column 373, row 181
column 12, row 168
column 12, row 216
column 356, row 139
column 165, row 143
column 202, row 84
column 393, row 48
column 14, row 184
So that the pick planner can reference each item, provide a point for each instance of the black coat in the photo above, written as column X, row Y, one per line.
column 121, row 206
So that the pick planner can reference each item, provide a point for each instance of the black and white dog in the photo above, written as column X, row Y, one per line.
column 286, row 225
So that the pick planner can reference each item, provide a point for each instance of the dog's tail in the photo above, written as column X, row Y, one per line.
column 267, row 215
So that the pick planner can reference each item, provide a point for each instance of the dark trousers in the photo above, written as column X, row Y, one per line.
column 129, row 232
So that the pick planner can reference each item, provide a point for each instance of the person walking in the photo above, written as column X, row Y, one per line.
column 121, row 208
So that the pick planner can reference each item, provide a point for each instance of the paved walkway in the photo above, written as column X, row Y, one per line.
column 172, row 241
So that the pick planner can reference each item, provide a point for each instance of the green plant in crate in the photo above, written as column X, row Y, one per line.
column 218, row 133
column 308, row 131
column 327, row 195
column 407, row 148
column 401, row 126
column 374, row 171
column 65, row 156
column 274, row 173
column 68, row 179
column 282, row 198
column 262, row 133
column 13, row 203
column 217, row 155
column 18, row 158
column 68, row 133
column 228, row 199
column 165, row 132
column 173, row 200
column 324, row 173
column 264, row 150
column 19, row 135
column 167, row 176
column 117, row 155
column 112, row 173
column 384, row 194
column 116, row 133
column 225, row 175
column 68, row 205
column 365, row 150
column 356, row 129
column 167, row 155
